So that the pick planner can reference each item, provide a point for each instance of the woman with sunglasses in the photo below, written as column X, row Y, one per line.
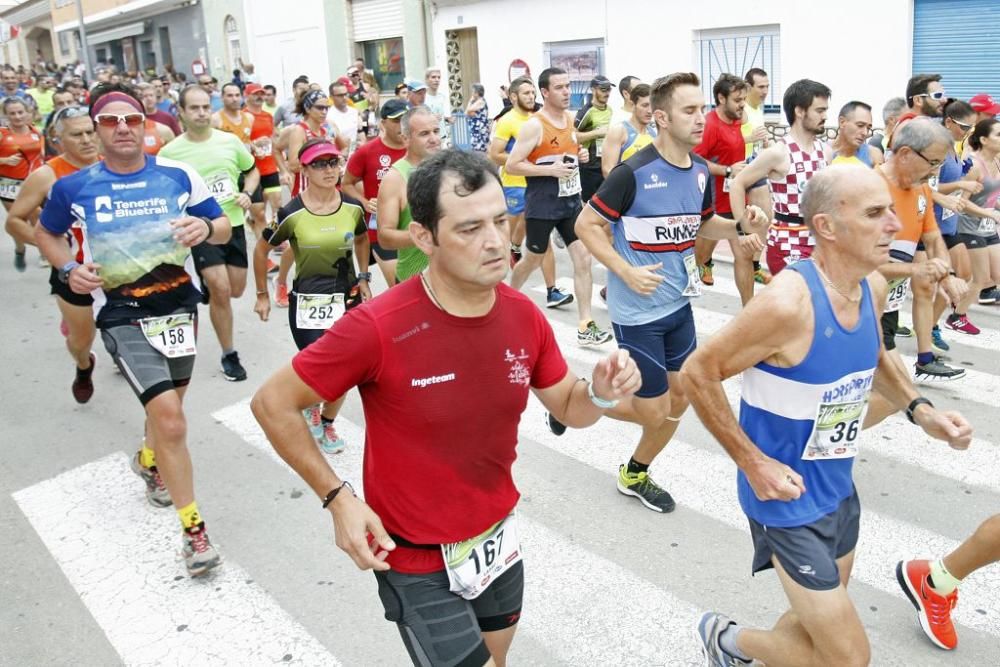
column 72, row 134
column 977, row 224
column 21, row 148
column 327, row 235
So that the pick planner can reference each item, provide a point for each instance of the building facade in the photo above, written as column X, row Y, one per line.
column 26, row 34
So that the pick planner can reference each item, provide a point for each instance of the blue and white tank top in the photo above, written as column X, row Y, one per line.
column 809, row 416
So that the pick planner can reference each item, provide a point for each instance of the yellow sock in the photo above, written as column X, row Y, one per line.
column 189, row 515
column 147, row 457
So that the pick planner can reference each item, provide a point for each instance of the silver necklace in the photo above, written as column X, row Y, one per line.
column 430, row 292
column 851, row 299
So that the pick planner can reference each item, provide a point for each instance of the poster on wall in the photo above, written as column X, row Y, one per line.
column 198, row 67
column 517, row 68
column 581, row 60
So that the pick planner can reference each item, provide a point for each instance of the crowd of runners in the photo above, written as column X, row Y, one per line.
column 145, row 203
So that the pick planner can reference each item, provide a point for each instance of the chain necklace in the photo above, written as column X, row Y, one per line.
column 851, row 299
column 430, row 292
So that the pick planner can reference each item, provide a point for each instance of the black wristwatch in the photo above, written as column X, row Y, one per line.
column 729, row 172
column 366, row 276
column 66, row 270
column 919, row 400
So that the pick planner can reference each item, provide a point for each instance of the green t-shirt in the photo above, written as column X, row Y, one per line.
column 591, row 118
column 219, row 160
column 44, row 102
column 319, row 242
column 411, row 260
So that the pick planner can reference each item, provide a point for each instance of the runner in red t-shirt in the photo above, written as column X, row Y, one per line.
column 443, row 381
column 365, row 170
column 723, row 147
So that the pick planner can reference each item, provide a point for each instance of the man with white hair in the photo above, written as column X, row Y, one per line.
column 437, row 100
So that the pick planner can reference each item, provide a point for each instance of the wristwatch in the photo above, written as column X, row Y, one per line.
column 66, row 270
column 366, row 276
column 729, row 172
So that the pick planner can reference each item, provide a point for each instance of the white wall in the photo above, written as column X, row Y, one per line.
column 287, row 39
column 861, row 49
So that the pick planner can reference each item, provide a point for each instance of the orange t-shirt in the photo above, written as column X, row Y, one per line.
column 915, row 210
column 28, row 145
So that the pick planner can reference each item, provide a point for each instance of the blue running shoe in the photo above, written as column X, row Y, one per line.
column 557, row 298
column 937, row 342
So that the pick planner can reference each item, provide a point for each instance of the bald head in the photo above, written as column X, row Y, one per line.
column 837, row 188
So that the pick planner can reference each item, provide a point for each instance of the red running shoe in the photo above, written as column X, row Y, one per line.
column 933, row 609
column 961, row 323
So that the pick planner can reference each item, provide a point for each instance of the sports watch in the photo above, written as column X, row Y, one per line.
column 66, row 270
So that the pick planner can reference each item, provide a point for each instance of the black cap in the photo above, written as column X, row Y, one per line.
column 601, row 81
column 393, row 108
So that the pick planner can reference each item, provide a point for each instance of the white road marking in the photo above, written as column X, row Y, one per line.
column 120, row 555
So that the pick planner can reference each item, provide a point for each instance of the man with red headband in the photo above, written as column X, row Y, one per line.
column 140, row 216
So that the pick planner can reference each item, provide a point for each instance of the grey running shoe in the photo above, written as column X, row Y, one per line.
column 558, row 239
column 936, row 371
column 710, row 626
column 904, row 332
column 592, row 336
column 642, row 486
column 19, row 262
column 199, row 554
column 156, row 490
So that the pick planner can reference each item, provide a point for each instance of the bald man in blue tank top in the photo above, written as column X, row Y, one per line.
column 809, row 349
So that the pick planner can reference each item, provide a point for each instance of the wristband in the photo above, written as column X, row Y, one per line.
column 739, row 229
column 261, row 292
column 953, row 274
column 597, row 400
column 366, row 276
column 333, row 494
column 211, row 229
column 919, row 400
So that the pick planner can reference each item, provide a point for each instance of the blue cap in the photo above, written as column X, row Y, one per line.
column 415, row 84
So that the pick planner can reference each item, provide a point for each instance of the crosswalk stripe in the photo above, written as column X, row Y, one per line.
column 705, row 483
column 660, row 627
column 119, row 555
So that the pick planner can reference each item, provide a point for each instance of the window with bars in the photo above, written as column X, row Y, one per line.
column 736, row 50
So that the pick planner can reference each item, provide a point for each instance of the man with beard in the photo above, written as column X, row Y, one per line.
column 592, row 123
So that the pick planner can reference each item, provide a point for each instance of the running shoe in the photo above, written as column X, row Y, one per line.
column 515, row 255
column 19, row 262
column 936, row 371
column 329, row 441
column 904, row 332
column 938, row 343
column 592, row 336
column 642, row 486
column 705, row 271
column 710, row 627
column 199, row 554
column 933, row 609
column 604, row 294
column 556, row 426
column 986, row 296
column 271, row 266
column 232, row 369
column 961, row 323
column 281, row 295
column 83, row 383
column 558, row 239
column 762, row 276
column 156, row 490
column 314, row 420
column 557, row 298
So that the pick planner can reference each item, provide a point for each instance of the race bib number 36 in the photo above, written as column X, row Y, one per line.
column 172, row 336
column 835, row 435
column 476, row 563
column 318, row 311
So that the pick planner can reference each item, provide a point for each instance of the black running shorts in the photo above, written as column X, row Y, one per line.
column 231, row 253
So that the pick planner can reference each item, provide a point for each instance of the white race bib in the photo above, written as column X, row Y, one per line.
column 694, row 277
column 599, row 147
column 262, row 147
column 9, row 188
column 836, row 430
column 725, row 184
column 476, row 563
column 172, row 336
column 987, row 226
column 318, row 311
column 221, row 187
column 570, row 185
column 897, row 293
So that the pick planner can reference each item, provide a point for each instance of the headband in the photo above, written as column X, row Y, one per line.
column 318, row 150
column 311, row 98
column 115, row 96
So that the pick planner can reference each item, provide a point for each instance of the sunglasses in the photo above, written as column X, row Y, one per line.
column 938, row 95
column 320, row 165
column 321, row 107
column 964, row 126
column 114, row 120
column 934, row 164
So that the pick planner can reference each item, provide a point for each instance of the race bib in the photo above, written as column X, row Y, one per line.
column 694, row 277
column 262, row 147
column 476, row 563
column 836, row 430
column 570, row 185
column 987, row 226
column 9, row 188
column 372, row 223
column 221, row 187
column 318, row 311
column 725, row 184
column 897, row 293
column 172, row 336
column 599, row 147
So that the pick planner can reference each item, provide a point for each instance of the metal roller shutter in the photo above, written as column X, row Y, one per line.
column 958, row 39
column 376, row 19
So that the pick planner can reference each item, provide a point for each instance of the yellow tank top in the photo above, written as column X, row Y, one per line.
column 241, row 129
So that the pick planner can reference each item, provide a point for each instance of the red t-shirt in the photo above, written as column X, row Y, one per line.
column 722, row 143
column 443, row 397
column 370, row 163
